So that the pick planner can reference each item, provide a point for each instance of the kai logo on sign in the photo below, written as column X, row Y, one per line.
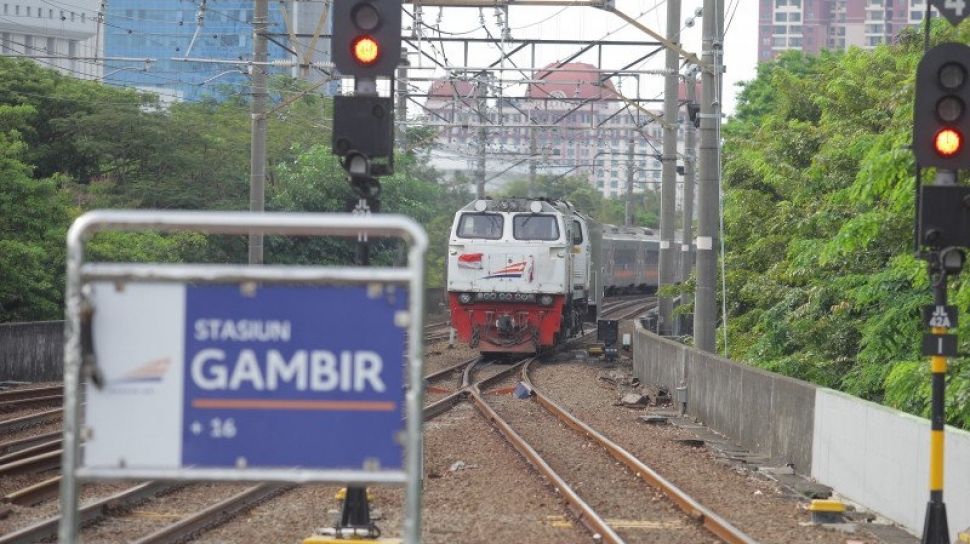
column 940, row 316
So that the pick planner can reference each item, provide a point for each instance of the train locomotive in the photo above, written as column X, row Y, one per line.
column 524, row 274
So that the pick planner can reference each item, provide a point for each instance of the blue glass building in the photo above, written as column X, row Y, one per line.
column 167, row 29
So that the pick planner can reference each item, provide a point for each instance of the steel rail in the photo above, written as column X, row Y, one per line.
column 14, row 394
column 37, row 463
column 449, row 370
column 34, row 494
column 714, row 523
column 21, row 444
column 28, row 401
column 26, row 453
column 47, row 529
column 622, row 305
column 595, row 523
column 13, row 424
column 214, row 515
column 442, row 405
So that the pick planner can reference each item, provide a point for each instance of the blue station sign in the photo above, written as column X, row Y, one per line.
column 309, row 377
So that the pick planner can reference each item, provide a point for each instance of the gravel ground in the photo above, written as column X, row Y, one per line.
column 48, row 426
column 13, row 482
column 756, row 506
column 609, row 488
column 494, row 497
column 294, row 515
column 160, row 512
column 22, row 516
column 29, row 411
column 438, row 355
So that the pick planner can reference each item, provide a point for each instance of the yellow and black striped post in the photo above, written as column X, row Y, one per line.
column 935, row 530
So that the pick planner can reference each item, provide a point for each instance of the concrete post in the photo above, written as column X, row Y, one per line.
column 668, row 183
column 257, row 168
column 705, row 307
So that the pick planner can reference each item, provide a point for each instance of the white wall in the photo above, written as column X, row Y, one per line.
column 879, row 457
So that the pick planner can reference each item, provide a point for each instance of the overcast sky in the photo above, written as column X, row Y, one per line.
column 584, row 23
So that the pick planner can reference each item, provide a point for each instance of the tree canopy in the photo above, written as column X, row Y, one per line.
column 822, row 280
column 68, row 145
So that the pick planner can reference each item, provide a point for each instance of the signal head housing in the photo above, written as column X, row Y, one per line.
column 366, row 40
column 940, row 117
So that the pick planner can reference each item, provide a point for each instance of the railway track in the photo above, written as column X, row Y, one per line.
column 33, row 452
column 694, row 510
column 41, row 453
column 695, row 515
column 626, row 309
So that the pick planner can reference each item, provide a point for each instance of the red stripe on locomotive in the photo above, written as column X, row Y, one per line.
column 533, row 326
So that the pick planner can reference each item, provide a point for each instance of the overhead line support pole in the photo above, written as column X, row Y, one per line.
column 705, row 295
column 690, row 158
column 481, row 92
column 630, row 148
column 533, row 151
column 401, row 110
column 257, row 169
column 668, row 176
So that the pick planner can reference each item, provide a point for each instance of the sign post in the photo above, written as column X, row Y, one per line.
column 244, row 373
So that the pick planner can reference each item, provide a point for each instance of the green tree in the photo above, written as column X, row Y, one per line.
column 818, row 214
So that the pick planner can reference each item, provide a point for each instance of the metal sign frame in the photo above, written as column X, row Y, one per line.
column 80, row 273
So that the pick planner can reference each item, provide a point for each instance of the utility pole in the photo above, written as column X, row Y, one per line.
column 401, row 109
column 690, row 156
column 705, row 307
column 481, row 94
column 668, row 180
column 628, row 212
column 257, row 168
column 533, row 149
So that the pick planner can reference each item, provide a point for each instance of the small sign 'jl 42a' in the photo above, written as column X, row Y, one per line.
column 940, row 316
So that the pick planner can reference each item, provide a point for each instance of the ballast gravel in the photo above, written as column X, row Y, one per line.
column 756, row 506
column 635, row 510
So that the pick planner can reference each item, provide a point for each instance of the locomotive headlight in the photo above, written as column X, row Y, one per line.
column 465, row 298
column 545, row 300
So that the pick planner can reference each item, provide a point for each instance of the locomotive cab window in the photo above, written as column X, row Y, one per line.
column 577, row 233
column 480, row 225
column 535, row 227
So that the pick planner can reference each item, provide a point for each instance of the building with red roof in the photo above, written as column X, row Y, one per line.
column 575, row 115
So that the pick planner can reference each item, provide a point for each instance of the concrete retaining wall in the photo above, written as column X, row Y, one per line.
column 32, row 352
column 871, row 454
column 767, row 413
column 879, row 457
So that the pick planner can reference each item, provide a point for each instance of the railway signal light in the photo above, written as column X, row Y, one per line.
column 940, row 116
column 366, row 38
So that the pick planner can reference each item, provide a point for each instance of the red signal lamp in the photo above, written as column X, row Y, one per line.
column 948, row 142
column 366, row 50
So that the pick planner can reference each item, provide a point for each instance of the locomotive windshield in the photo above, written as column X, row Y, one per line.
column 480, row 225
column 535, row 227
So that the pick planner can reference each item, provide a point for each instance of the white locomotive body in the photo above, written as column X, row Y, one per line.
column 512, row 285
column 523, row 274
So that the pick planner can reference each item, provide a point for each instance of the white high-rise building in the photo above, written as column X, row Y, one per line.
column 59, row 35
